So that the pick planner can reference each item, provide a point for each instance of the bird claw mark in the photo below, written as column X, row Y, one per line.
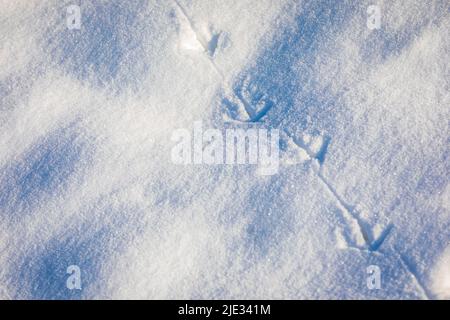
column 411, row 269
column 376, row 243
column 316, row 147
column 233, row 110
column 291, row 154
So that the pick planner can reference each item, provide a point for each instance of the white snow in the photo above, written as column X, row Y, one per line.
column 86, row 177
column 441, row 276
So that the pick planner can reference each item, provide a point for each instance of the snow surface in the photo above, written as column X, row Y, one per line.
column 86, row 118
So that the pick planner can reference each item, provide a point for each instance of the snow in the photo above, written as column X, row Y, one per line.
column 86, row 176
column 441, row 276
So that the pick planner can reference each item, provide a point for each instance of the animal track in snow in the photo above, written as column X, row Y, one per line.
column 298, row 150
column 205, row 39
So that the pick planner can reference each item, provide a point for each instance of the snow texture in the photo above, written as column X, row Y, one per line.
column 86, row 179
